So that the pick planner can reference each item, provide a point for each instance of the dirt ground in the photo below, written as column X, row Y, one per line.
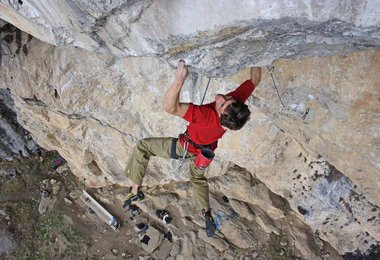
column 68, row 229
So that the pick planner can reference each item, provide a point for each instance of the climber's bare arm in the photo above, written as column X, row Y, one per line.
column 255, row 75
column 171, row 100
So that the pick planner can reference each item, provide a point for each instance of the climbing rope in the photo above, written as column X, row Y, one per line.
column 270, row 69
column 274, row 84
column 204, row 95
column 179, row 167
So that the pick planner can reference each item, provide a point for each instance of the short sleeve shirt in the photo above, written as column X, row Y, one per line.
column 204, row 123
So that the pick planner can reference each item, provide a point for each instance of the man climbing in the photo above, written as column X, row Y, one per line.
column 207, row 123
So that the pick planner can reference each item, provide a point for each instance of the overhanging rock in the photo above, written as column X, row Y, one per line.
column 92, row 103
column 216, row 37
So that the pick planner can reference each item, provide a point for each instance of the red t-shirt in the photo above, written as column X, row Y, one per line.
column 204, row 123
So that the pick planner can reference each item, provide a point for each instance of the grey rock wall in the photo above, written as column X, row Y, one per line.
column 216, row 38
column 93, row 108
column 100, row 89
column 14, row 139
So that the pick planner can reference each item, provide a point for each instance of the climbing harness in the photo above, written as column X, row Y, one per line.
column 202, row 160
column 187, row 138
column 206, row 155
column 274, row 84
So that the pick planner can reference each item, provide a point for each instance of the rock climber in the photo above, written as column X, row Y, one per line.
column 207, row 123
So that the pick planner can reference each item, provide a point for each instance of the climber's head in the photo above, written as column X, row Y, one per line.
column 233, row 113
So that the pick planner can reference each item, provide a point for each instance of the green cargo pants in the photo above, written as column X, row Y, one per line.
column 145, row 148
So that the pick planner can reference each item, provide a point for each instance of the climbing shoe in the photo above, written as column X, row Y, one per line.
column 210, row 224
column 133, row 197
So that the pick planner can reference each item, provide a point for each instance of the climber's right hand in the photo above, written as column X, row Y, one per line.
column 181, row 72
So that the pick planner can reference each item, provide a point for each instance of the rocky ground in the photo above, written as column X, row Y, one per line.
column 60, row 226
column 54, row 227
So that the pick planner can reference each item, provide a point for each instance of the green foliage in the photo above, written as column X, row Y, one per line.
column 37, row 237
column 47, row 230
column 47, row 225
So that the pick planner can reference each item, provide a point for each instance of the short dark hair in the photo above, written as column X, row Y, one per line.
column 235, row 115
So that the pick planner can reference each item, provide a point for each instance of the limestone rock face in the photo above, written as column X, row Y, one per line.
column 14, row 140
column 217, row 38
column 319, row 152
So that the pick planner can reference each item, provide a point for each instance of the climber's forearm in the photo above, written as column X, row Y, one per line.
column 255, row 75
column 171, row 100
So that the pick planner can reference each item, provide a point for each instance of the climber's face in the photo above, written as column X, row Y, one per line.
column 222, row 102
